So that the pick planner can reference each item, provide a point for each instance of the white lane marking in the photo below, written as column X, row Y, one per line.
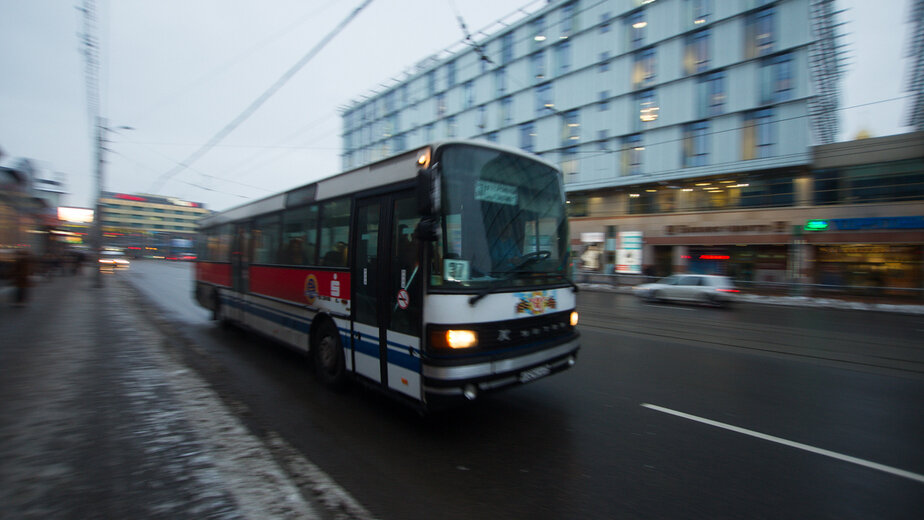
column 791, row 444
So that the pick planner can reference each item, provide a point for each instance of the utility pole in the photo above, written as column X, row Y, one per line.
column 98, row 210
column 91, row 56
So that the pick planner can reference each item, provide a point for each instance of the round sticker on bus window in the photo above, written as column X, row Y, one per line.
column 403, row 299
column 311, row 289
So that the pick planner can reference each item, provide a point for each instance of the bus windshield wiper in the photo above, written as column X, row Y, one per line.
column 507, row 276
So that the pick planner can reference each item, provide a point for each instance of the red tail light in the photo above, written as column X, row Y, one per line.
column 729, row 290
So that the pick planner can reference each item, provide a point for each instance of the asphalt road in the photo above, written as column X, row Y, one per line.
column 671, row 412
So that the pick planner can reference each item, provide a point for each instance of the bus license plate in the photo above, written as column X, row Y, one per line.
column 534, row 373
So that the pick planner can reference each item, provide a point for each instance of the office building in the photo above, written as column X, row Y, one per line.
column 676, row 119
column 149, row 225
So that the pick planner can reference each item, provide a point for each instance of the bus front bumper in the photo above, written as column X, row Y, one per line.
column 448, row 383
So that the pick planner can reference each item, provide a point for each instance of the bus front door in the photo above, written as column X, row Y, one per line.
column 387, row 293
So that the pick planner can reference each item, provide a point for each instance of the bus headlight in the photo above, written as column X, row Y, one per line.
column 574, row 318
column 461, row 338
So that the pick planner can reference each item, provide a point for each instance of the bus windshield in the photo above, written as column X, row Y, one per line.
column 504, row 221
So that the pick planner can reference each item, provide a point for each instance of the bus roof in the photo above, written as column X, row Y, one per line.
column 394, row 169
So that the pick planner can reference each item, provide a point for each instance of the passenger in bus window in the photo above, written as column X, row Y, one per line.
column 295, row 252
column 336, row 257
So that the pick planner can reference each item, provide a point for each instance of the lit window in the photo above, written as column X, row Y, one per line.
column 758, row 134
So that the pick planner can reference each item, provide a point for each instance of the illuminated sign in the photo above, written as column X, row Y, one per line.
column 75, row 215
column 130, row 197
column 816, row 225
column 714, row 257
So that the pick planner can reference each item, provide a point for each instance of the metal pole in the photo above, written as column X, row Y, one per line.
column 98, row 228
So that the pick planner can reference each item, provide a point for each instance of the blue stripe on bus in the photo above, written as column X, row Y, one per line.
column 398, row 355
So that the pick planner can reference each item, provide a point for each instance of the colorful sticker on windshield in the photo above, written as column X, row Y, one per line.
column 536, row 302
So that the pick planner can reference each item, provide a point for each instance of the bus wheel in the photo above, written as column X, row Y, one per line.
column 328, row 356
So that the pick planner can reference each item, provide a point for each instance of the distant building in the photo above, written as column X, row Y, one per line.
column 701, row 129
column 619, row 92
column 151, row 225
column 916, row 72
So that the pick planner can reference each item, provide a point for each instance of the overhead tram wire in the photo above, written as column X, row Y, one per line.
column 243, row 116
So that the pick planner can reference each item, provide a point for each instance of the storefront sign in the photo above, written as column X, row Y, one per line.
column 629, row 254
column 592, row 238
column 865, row 224
column 776, row 227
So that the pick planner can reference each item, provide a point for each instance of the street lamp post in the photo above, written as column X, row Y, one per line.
column 101, row 129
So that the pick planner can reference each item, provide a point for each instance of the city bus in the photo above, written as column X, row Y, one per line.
column 437, row 275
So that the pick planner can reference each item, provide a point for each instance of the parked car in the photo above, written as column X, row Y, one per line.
column 701, row 288
column 111, row 260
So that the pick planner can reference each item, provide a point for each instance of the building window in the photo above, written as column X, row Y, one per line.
column 527, row 135
column 431, row 86
column 647, row 103
column 507, row 48
column 492, row 137
column 696, row 53
column 604, row 63
column 632, row 154
column 570, row 128
column 563, row 57
column 538, row 33
column 482, row 116
column 451, row 74
column 605, row 23
column 643, row 68
column 776, row 79
column 440, row 105
column 569, row 161
column 696, row 144
column 428, row 132
column 506, row 111
column 758, row 33
column 758, row 134
column 544, row 101
column 604, row 97
column 602, row 140
column 537, row 65
column 468, row 100
column 710, row 95
column 698, row 11
column 451, row 126
column 568, row 20
column 500, row 81
column 635, row 28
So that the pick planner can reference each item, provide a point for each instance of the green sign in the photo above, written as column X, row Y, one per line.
column 816, row 225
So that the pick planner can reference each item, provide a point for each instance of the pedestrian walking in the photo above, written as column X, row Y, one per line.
column 22, row 271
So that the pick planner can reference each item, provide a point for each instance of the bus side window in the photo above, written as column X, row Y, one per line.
column 299, row 236
column 335, row 232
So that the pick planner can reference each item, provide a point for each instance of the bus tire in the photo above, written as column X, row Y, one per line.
column 327, row 354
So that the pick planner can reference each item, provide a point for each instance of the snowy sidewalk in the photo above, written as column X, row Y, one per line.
column 98, row 421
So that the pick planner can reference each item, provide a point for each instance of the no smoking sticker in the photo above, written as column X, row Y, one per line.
column 403, row 299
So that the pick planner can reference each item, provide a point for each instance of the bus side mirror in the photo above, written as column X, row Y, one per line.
column 428, row 229
column 428, row 192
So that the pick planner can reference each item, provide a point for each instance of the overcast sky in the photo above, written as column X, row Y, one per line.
column 177, row 71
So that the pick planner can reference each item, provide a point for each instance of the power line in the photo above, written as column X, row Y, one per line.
column 243, row 116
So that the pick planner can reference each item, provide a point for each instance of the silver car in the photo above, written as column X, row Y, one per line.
column 700, row 288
